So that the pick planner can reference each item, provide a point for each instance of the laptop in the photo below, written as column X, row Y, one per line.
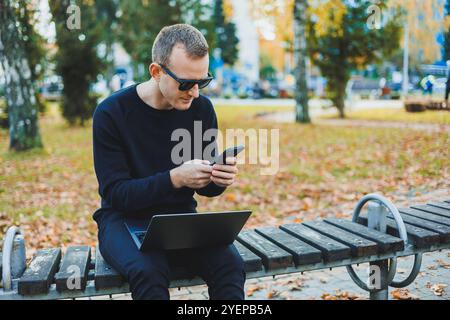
column 187, row 230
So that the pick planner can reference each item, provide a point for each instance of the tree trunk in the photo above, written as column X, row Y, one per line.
column 300, row 54
column 339, row 102
column 20, row 96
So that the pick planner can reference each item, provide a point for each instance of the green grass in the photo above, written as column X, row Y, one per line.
column 246, row 112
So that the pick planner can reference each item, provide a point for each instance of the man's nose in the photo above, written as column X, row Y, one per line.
column 195, row 91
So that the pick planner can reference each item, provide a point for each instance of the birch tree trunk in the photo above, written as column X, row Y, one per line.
column 20, row 99
column 300, row 54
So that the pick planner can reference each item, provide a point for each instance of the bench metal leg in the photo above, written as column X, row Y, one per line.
column 377, row 216
column 382, row 267
column 381, row 273
column 13, row 258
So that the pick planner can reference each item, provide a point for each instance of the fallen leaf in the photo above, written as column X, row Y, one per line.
column 340, row 295
column 403, row 294
column 272, row 294
column 252, row 289
column 438, row 289
column 443, row 264
column 307, row 204
column 230, row 197
column 327, row 296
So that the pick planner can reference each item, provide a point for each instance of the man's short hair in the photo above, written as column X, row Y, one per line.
column 193, row 40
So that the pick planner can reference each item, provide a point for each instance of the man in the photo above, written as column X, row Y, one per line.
column 132, row 136
column 427, row 84
column 447, row 84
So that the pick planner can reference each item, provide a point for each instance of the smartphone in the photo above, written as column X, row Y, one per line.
column 230, row 152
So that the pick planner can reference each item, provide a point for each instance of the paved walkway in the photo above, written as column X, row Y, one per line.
column 289, row 117
column 313, row 103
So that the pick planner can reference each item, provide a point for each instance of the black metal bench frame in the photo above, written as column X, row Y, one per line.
column 378, row 238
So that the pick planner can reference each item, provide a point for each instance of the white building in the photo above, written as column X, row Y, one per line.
column 248, row 63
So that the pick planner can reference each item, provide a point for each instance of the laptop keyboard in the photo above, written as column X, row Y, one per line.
column 140, row 235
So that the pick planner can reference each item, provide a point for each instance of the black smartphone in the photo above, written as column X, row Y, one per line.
column 230, row 152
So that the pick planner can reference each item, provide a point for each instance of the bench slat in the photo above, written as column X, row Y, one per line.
column 439, row 204
column 74, row 265
column 431, row 209
column 331, row 250
column 448, row 200
column 38, row 277
column 105, row 275
column 443, row 231
column 386, row 243
column 302, row 252
column 425, row 215
column 273, row 257
column 359, row 246
column 421, row 238
column 251, row 261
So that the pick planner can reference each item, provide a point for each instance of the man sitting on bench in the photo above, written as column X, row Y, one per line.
column 132, row 138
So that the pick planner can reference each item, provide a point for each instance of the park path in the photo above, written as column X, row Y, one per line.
column 321, row 107
column 289, row 117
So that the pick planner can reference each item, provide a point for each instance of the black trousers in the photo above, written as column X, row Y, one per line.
column 149, row 273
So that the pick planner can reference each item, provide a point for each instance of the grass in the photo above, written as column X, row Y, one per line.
column 234, row 112
column 322, row 170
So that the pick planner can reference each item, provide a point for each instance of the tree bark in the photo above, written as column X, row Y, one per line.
column 300, row 54
column 20, row 96
column 339, row 100
column 340, row 105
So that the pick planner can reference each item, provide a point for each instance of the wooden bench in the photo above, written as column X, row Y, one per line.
column 376, row 236
column 425, row 104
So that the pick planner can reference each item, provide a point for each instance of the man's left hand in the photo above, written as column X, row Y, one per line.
column 223, row 174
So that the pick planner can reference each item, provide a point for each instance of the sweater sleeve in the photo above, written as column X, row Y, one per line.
column 116, row 185
column 211, row 190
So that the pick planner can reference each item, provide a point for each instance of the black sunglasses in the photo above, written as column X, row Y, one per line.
column 187, row 84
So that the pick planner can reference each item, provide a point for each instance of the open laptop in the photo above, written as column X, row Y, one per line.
column 187, row 230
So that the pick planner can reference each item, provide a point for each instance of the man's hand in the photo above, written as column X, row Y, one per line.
column 223, row 174
column 194, row 174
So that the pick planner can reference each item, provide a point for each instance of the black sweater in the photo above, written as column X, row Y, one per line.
column 132, row 155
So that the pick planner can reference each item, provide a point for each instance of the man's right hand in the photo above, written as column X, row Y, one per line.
column 194, row 174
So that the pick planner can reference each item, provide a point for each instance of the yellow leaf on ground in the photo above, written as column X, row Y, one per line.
column 252, row 289
column 272, row 294
column 230, row 197
column 403, row 294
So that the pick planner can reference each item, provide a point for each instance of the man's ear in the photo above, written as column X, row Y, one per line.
column 155, row 71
